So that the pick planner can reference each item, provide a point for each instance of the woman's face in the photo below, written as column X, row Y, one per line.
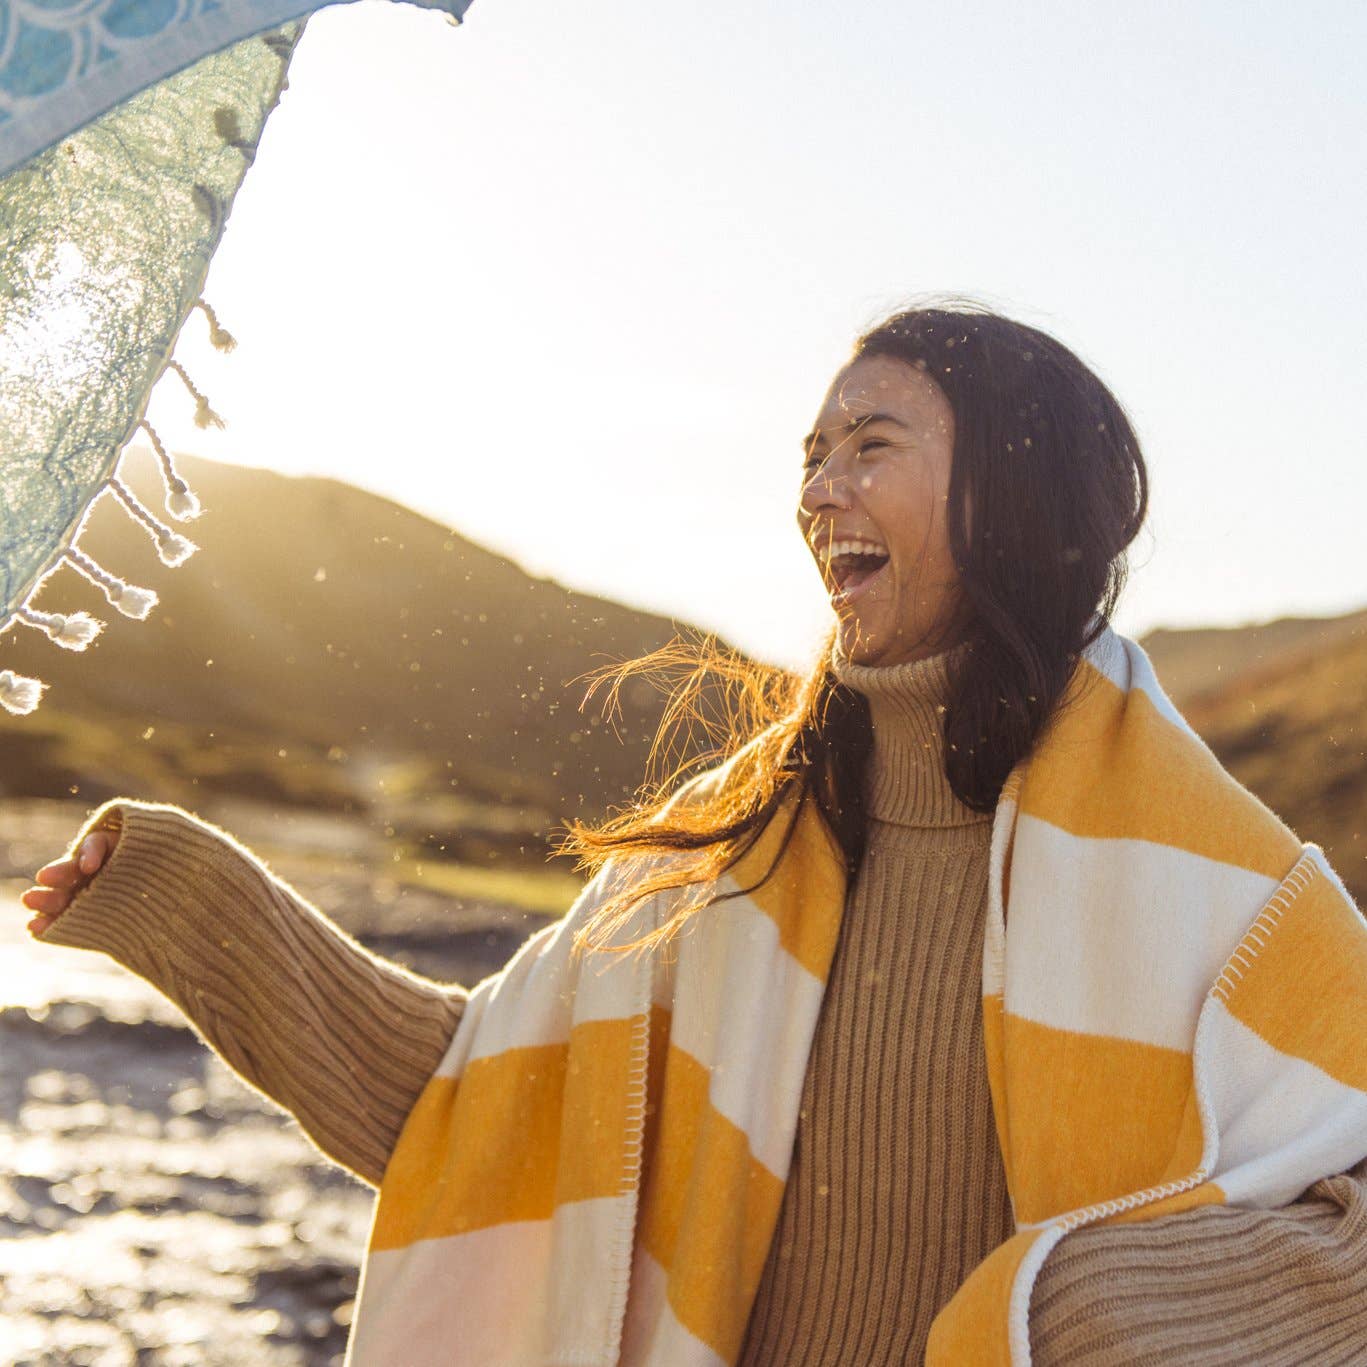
column 874, row 496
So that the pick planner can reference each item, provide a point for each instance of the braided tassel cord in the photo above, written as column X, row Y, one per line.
column 204, row 415
column 219, row 336
column 19, row 694
column 173, row 548
column 180, row 501
column 130, row 600
column 72, row 631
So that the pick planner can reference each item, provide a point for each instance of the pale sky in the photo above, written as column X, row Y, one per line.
column 573, row 279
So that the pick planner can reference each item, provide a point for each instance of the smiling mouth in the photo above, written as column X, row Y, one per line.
column 851, row 574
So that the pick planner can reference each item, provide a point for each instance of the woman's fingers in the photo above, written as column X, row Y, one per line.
column 91, row 854
column 62, row 873
column 66, row 873
column 48, row 901
column 64, row 877
column 95, row 849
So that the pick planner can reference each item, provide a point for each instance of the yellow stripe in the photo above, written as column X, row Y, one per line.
column 971, row 1330
column 1096, row 1117
column 805, row 897
column 1304, row 988
column 1113, row 767
column 708, row 1207
column 486, row 1149
column 596, row 1105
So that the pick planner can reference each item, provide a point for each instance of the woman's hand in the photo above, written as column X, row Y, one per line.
column 63, row 879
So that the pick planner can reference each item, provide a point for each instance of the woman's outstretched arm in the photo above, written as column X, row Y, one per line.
column 1212, row 1287
column 342, row 1039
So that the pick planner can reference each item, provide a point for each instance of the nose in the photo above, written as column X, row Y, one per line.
column 826, row 489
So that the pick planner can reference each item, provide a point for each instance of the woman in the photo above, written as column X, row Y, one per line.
column 821, row 1119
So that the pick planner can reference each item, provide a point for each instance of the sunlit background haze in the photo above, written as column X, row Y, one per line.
column 572, row 279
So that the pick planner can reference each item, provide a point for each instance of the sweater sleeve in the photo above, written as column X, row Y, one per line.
column 1215, row 1286
column 342, row 1039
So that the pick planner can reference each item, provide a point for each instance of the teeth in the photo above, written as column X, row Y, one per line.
column 828, row 550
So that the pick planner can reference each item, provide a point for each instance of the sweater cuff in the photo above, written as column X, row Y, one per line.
column 163, row 855
column 1215, row 1285
column 342, row 1039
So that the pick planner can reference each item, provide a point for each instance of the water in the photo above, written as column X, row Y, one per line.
column 33, row 975
column 154, row 1209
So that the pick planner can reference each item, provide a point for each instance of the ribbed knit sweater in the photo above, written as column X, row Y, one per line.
column 895, row 1140
column 896, row 1112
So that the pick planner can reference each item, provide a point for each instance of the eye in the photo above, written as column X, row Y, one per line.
column 813, row 462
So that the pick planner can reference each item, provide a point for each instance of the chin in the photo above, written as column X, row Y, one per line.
column 866, row 647
column 859, row 648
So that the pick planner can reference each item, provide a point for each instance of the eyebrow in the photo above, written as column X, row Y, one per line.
column 814, row 435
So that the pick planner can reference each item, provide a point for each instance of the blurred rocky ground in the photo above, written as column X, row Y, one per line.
column 154, row 1209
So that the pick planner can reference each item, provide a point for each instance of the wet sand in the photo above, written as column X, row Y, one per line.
column 154, row 1209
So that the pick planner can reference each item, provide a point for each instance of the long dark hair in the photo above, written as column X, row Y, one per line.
column 1048, row 463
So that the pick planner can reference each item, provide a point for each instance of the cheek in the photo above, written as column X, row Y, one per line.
column 908, row 511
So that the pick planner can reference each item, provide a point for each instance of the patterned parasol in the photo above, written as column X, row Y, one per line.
column 126, row 127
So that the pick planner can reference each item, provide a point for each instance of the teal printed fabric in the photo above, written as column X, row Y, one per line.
column 66, row 62
column 105, row 240
column 126, row 128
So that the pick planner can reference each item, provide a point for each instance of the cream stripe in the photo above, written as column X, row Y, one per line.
column 532, row 980
column 653, row 1336
column 994, row 933
column 526, row 1006
column 1283, row 1122
column 741, row 996
column 582, row 1244
column 1138, row 930
column 1125, row 664
column 470, row 1298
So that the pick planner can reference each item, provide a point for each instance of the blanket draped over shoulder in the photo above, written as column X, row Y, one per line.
column 1174, row 987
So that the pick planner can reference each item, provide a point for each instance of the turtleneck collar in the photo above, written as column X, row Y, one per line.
column 905, row 784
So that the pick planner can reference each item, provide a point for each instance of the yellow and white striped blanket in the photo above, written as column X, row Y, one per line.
column 1174, row 997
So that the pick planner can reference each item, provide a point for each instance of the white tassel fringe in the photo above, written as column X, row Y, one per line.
column 71, row 631
column 76, row 630
column 128, row 598
column 175, row 549
column 18, row 694
column 204, row 415
column 181, row 502
column 132, row 601
column 219, row 336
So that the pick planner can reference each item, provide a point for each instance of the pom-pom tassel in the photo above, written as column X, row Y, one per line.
column 180, row 500
column 128, row 598
column 19, row 694
column 219, row 336
column 204, row 415
column 173, row 548
column 132, row 601
column 71, row 631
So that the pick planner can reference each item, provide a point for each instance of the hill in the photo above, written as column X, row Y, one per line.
column 1195, row 660
column 329, row 650
column 328, row 647
column 1284, row 706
